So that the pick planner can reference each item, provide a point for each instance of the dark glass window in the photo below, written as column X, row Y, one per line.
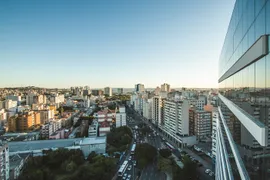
column 260, row 81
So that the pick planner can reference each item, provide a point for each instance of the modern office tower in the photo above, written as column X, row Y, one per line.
column 139, row 88
column 243, row 139
column 165, row 87
column 158, row 111
column 202, row 124
column 4, row 163
column 121, row 117
column 120, row 91
column 108, row 91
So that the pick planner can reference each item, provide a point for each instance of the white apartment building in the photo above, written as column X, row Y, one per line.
column 11, row 105
column 202, row 122
column 3, row 115
column 108, row 91
column 147, row 109
column 121, row 117
column 4, row 161
column 176, row 122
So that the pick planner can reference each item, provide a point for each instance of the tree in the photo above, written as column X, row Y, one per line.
column 165, row 153
column 145, row 154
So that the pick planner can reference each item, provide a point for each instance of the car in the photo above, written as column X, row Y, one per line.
column 211, row 173
column 124, row 178
column 125, row 175
column 200, row 164
column 134, row 163
column 207, row 171
column 129, row 176
column 130, row 157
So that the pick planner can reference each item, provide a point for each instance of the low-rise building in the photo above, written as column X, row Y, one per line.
column 49, row 128
column 93, row 129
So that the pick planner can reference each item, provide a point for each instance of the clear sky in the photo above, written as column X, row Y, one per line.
column 117, row 43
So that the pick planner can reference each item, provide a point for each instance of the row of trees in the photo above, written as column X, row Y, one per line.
column 66, row 164
column 145, row 154
column 167, row 164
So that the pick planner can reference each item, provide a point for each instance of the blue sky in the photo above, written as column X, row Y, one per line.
column 63, row 43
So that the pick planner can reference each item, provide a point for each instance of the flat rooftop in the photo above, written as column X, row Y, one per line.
column 57, row 143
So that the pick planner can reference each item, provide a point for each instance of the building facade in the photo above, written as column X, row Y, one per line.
column 165, row 87
column 108, row 91
column 139, row 88
column 121, row 117
column 4, row 161
column 202, row 124
column 244, row 93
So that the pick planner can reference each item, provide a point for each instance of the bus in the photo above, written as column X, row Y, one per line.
column 123, row 168
column 169, row 146
column 133, row 149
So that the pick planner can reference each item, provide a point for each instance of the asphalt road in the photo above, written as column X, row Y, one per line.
column 158, row 143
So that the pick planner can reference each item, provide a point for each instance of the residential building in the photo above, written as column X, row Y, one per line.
column 215, row 116
column 14, row 98
column 4, row 161
column 192, row 121
column 147, row 109
column 17, row 163
column 121, row 117
column 93, row 129
column 165, row 87
column 12, row 124
column 108, row 91
column 49, row 128
column 139, row 88
column 176, row 122
column 86, row 92
column 202, row 124
column 30, row 99
column 11, row 105
column 244, row 83
column 105, row 121
column 158, row 111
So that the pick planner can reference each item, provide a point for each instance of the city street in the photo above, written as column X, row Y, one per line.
column 156, row 141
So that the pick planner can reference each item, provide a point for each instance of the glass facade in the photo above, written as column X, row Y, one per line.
column 248, row 87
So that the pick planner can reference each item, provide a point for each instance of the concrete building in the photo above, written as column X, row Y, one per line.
column 108, row 91
column 139, row 88
column 93, row 129
column 4, row 161
column 158, row 111
column 49, row 128
column 121, row 117
column 30, row 99
column 176, row 122
column 147, row 109
column 86, row 145
column 165, row 87
column 17, row 163
column 202, row 124
column 215, row 116
column 11, row 105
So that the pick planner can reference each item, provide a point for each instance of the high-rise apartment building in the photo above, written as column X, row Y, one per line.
column 165, row 87
column 158, row 111
column 108, row 91
column 147, row 109
column 202, row 124
column 242, row 133
column 139, row 88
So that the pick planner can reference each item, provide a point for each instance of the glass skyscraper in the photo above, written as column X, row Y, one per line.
column 243, row 138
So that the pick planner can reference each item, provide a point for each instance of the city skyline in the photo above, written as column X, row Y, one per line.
column 57, row 44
